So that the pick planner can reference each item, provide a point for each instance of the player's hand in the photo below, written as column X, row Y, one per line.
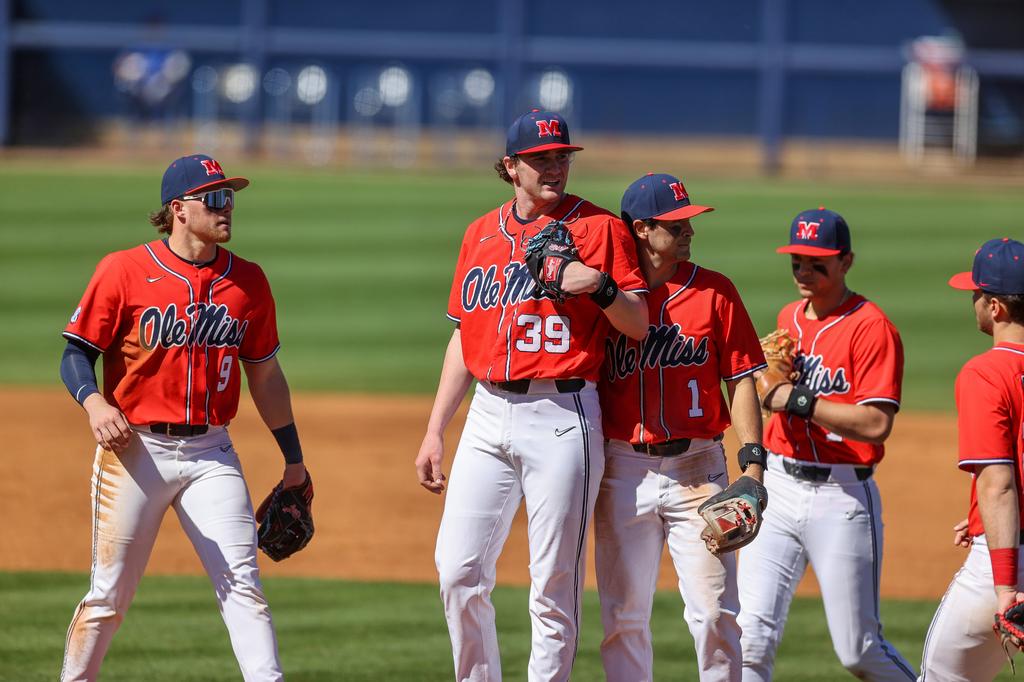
column 961, row 538
column 1007, row 597
column 109, row 426
column 428, row 463
column 294, row 475
column 580, row 279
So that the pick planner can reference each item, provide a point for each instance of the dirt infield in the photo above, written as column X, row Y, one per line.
column 375, row 523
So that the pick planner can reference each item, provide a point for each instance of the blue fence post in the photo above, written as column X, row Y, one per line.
column 5, row 73
column 254, row 53
column 511, row 57
column 772, row 86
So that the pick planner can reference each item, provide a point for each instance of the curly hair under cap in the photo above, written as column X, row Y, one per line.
column 499, row 166
column 162, row 219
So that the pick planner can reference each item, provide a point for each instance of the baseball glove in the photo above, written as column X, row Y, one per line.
column 779, row 351
column 733, row 515
column 286, row 520
column 1009, row 627
column 548, row 253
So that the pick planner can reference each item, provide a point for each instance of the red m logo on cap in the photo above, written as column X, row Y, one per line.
column 549, row 128
column 212, row 167
column 678, row 189
column 808, row 231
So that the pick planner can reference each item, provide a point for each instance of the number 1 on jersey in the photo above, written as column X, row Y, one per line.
column 695, row 409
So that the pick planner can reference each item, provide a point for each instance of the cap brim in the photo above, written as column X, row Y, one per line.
column 234, row 183
column 549, row 147
column 683, row 212
column 963, row 280
column 804, row 250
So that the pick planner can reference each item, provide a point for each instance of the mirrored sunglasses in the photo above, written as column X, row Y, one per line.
column 215, row 199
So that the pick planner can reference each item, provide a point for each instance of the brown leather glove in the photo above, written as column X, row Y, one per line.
column 779, row 351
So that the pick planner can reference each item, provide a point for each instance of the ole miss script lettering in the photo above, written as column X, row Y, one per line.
column 669, row 385
column 852, row 356
column 509, row 328
column 176, row 332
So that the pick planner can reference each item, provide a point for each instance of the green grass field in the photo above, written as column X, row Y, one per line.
column 366, row 632
column 361, row 262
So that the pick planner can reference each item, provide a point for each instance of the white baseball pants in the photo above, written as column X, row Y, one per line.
column 961, row 646
column 546, row 449
column 837, row 526
column 201, row 478
column 643, row 502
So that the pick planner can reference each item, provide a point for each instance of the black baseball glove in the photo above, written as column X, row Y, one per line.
column 1009, row 627
column 733, row 516
column 286, row 520
column 548, row 253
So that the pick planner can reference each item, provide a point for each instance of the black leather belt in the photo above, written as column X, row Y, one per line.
column 523, row 385
column 179, row 430
column 820, row 474
column 668, row 448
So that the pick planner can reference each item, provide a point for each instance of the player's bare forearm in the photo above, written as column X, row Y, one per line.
column 269, row 390
column 869, row 423
column 997, row 503
column 746, row 417
column 628, row 314
column 451, row 389
column 745, row 409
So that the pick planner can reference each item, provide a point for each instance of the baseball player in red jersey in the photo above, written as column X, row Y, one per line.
column 533, row 431
column 173, row 319
column 664, row 415
column 824, row 441
column 990, row 411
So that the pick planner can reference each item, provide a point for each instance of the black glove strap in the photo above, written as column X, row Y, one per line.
column 607, row 290
column 801, row 402
column 752, row 453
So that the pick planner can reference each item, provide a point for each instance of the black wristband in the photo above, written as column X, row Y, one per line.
column 752, row 453
column 801, row 402
column 288, row 440
column 607, row 290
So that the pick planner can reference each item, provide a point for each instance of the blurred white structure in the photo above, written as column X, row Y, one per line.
column 938, row 102
column 384, row 115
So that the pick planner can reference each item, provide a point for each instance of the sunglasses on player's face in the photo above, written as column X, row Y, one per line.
column 215, row 200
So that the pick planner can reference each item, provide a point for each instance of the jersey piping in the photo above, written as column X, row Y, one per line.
column 188, row 347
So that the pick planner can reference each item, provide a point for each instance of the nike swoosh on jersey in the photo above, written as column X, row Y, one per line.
column 715, row 477
column 490, row 236
column 225, row 448
column 154, row 279
column 562, row 432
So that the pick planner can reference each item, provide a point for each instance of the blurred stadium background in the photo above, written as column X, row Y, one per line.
column 369, row 130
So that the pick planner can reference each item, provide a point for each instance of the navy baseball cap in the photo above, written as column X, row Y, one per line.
column 660, row 196
column 538, row 131
column 998, row 268
column 195, row 173
column 818, row 232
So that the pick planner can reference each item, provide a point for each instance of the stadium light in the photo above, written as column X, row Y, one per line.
column 129, row 70
column 478, row 85
column 395, row 84
column 276, row 82
column 311, row 85
column 239, row 83
column 555, row 90
column 176, row 66
column 204, row 79
column 367, row 102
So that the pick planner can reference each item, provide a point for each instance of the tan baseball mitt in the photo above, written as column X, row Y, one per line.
column 779, row 351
